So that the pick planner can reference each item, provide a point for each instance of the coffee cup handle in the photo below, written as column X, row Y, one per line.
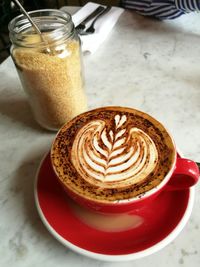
column 185, row 175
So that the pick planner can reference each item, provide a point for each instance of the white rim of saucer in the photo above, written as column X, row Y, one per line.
column 124, row 257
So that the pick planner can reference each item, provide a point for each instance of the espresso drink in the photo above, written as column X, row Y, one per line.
column 112, row 154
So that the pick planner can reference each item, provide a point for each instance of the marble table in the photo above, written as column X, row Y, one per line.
column 150, row 65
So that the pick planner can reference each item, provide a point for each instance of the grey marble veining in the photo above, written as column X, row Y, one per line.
column 150, row 65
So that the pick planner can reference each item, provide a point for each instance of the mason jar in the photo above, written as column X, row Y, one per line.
column 49, row 66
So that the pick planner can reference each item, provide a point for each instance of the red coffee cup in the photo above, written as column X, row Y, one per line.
column 181, row 174
column 184, row 174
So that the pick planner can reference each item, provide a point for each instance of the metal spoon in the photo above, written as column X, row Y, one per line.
column 31, row 21
column 80, row 27
column 91, row 29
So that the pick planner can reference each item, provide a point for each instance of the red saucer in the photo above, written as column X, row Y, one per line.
column 163, row 219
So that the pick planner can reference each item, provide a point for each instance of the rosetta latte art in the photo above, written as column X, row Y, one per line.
column 119, row 156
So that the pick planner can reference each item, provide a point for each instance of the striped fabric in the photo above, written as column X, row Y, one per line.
column 162, row 9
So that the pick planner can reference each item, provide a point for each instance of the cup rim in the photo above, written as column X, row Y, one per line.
column 135, row 199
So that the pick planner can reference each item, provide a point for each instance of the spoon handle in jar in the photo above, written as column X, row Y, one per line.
column 28, row 17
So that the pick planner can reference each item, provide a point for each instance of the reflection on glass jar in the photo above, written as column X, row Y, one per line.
column 50, row 68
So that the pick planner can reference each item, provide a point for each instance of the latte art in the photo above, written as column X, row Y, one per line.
column 119, row 156
column 112, row 154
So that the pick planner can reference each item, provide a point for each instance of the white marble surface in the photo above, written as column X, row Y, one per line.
column 150, row 65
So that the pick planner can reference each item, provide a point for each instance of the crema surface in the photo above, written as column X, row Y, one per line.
column 112, row 153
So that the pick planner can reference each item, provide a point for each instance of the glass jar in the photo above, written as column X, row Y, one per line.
column 49, row 66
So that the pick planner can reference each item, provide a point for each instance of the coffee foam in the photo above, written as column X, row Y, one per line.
column 112, row 154
column 118, row 157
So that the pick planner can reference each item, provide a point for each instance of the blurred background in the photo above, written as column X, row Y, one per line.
column 8, row 11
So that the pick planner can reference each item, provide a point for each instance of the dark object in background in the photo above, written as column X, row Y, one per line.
column 162, row 9
column 8, row 11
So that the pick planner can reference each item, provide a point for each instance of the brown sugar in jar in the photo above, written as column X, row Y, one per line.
column 50, row 68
